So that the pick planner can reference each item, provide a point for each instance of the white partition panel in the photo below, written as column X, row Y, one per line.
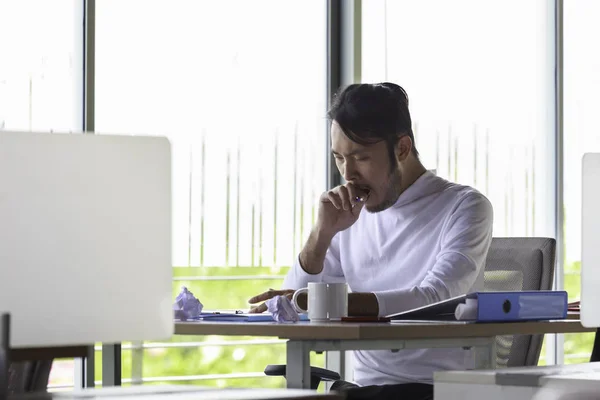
column 85, row 238
column 590, row 241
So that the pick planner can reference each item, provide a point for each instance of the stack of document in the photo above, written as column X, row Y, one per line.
column 575, row 306
column 493, row 307
column 238, row 316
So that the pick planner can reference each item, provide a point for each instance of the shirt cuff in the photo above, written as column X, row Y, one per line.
column 395, row 301
column 381, row 301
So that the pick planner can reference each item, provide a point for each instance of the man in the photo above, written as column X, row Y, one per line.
column 423, row 239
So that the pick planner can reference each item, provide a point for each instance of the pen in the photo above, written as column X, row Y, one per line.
column 219, row 312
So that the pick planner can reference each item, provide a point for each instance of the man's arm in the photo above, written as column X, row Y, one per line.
column 465, row 243
column 363, row 305
column 319, row 261
column 326, row 261
column 312, row 256
column 338, row 210
column 318, row 253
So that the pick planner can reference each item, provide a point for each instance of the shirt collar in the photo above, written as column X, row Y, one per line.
column 426, row 184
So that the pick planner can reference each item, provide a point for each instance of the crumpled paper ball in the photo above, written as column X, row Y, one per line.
column 282, row 309
column 186, row 305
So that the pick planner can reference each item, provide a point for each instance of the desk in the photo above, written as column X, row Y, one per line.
column 304, row 337
column 181, row 393
column 523, row 383
column 47, row 353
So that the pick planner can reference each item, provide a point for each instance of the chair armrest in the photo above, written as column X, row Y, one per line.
column 316, row 374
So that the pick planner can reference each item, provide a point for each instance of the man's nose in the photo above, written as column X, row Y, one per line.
column 349, row 172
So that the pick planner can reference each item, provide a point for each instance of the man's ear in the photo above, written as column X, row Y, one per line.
column 403, row 148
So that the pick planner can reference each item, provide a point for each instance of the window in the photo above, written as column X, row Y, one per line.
column 41, row 81
column 41, row 66
column 241, row 95
column 480, row 96
column 480, row 81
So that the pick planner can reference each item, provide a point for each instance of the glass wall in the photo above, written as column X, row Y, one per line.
column 41, row 65
column 239, row 89
column 480, row 81
column 41, row 81
column 481, row 96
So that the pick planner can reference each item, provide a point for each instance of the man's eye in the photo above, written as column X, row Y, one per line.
column 338, row 158
column 363, row 158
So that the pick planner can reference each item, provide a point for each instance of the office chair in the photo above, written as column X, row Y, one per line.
column 515, row 264
column 512, row 264
column 29, row 376
column 595, row 356
column 19, row 377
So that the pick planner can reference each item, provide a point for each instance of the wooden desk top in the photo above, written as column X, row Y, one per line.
column 573, row 315
column 183, row 392
column 376, row 331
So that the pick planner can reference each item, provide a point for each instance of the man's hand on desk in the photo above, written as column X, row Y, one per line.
column 269, row 295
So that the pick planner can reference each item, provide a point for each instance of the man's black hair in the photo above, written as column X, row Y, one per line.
column 369, row 113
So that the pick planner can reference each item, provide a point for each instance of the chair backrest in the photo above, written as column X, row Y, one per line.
column 519, row 264
column 22, row 377
column 29, row 376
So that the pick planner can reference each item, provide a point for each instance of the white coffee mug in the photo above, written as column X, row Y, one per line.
column 326, row 301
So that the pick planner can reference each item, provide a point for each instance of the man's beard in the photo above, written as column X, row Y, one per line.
column 391, row 195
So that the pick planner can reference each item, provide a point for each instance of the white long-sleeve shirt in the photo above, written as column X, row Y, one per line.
column 429, row 246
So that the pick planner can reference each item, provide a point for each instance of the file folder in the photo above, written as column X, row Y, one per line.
column 239, row 317
column 493, row 307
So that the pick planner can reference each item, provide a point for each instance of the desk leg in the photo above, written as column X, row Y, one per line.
column 340, row 362
column 335, row 361
column 84, row 370
column 298, row 364
column 485, row 356
column 111, row 365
